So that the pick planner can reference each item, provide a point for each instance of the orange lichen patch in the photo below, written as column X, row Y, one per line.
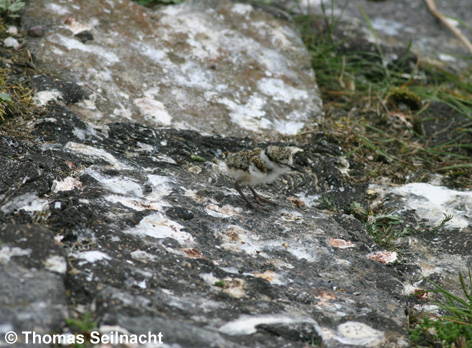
column 267, row 275
column 323, row 294
column 340, row 243
column 193, row 253
column 70, row 164
column 222, row 212
column 296, row 202
column 233, row 233
column 324, row 297
column 383, row 256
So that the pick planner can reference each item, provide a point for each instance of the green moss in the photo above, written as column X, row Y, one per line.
column 84, row 324
column 219, row 283
column 197, row 158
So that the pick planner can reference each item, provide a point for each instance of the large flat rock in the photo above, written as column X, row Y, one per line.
column 211, row 66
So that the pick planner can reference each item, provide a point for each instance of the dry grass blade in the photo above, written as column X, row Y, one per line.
column 433, row 9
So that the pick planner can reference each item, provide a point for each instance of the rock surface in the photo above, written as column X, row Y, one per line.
column 138, row 225
column 152, row 235
column 212, row 66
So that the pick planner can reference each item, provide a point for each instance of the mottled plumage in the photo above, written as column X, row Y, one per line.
column 259, row 166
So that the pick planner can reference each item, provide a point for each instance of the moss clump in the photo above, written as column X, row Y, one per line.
column 399, row 97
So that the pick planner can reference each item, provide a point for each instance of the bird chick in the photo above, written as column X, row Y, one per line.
column 259, row 166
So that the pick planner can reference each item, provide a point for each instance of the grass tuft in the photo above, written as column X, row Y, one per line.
column 384, row 112
column 451, row 329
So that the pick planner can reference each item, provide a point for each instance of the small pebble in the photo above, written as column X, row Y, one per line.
column 11, row 42
column 12, row 30
column 37, row 31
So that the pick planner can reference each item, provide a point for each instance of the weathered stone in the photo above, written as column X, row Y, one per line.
column 138, row 225
column 399, row 23
column 212, row 66
column 32, row 265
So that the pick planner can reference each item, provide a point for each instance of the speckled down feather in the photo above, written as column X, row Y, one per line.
column 260, row 166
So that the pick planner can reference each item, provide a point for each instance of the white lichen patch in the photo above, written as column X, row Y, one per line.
column 42, row 98
column 6, row 253
column 161, row 187
column 432, row 203
column 159, row 226
column 155, row 54
column 246, row 325
column 130, row 193
column 249, row 115
column 56, row 264
column 142, row 256
column 387, row 27
column 91, row 151
column 192, row 75
column 209, row 278
column 117, row 184
column 153, row 110
column 134, row 202
column 308, row 200
column 298, row 250
column 280, row 91
column 222, row 212
column 107, row 57
column 67, row 184
column 288, row 127
column 190, row 301
column 242, row 9
column 28, row 202
column 144, row 147
column 237, row 239
column 90, row 256
column 58, row 9
column 163, row 158
column 204, row 40
column 359, row 334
